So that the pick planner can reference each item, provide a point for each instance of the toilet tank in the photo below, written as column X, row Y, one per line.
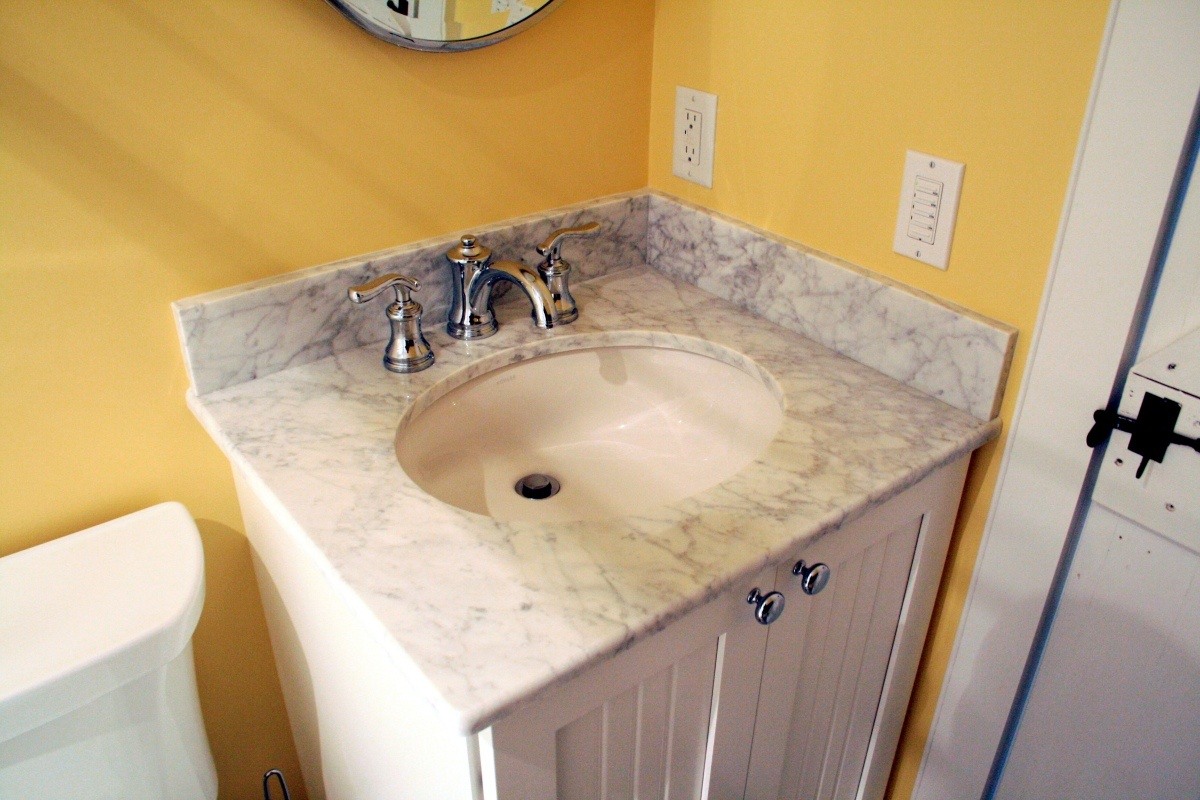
column 97, row 687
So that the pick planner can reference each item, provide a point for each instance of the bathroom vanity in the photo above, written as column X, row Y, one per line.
column 757, row 637
column 718, row 705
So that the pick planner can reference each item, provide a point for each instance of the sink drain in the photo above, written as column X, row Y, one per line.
column 537, row 486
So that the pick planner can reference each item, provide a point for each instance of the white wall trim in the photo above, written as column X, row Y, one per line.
column 1142, row 101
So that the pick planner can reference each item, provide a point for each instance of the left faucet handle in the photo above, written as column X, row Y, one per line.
column 407, row 350
column 402, row 283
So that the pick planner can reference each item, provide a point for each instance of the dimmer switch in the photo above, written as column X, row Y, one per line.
column 928, row 205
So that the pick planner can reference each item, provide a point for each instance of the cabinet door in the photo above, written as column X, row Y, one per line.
column 672, row 717
column 832, row 655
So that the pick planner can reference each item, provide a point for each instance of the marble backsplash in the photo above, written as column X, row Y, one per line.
column 238, row 334
column 245, row 332
column 947, row 352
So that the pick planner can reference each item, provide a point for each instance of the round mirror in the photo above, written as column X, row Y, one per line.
column 444, row 24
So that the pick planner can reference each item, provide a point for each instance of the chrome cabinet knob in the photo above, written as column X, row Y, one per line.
column 812, row 578
column 767, row 607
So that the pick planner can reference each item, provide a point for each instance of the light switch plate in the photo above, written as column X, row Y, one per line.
column 928, row 207
column 695, row 135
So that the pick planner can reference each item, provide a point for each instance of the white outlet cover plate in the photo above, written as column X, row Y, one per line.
column 697, row 170
column 928, row 208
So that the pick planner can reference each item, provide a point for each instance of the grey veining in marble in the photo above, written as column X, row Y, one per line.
column 946, row 352
column 954, row 355
column 536, row 604
column 235, row 335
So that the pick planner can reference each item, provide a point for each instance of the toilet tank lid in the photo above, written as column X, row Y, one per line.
column 87, row 613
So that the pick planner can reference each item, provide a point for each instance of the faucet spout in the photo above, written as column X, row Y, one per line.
column 474, row 274
column 530, row 282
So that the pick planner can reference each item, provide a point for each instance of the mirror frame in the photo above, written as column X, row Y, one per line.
column 437, row 45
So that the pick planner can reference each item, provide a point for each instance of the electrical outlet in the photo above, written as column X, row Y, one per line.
column 695, row 133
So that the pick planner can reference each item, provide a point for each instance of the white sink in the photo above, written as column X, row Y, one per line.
column 623, row 429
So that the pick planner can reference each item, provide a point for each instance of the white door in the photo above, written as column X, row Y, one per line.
column 1142, row 106
column 1113, row 708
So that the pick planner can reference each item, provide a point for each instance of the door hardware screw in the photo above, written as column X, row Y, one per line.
column 1119, row 461
column 1170, row 506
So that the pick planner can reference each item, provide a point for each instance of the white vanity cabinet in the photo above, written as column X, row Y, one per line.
column 717, row 705
column 662, row 719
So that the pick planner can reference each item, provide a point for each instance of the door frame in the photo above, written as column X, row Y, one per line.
column 1142, row 102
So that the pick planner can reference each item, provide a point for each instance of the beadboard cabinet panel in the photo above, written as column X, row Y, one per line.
column 815, row 722
column 672, row 716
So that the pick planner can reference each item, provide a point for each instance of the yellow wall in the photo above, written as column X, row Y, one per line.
column 468, row 19
column 818, row 101
column 150, row 151
column 471, row 18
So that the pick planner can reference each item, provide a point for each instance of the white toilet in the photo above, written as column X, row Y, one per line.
column 97, row 688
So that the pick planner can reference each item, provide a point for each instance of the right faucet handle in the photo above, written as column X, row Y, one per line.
column 552, row 246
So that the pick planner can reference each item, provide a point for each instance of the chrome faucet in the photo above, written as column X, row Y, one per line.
column 475, row 274
column 407, row 350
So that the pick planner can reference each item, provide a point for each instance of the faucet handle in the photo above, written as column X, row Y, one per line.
column 552, row 246
column 403, row 285
column 407, row 350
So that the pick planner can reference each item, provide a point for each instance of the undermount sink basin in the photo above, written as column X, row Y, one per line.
column 621, row 429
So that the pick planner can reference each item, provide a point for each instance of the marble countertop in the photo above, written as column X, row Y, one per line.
column 483, row 615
